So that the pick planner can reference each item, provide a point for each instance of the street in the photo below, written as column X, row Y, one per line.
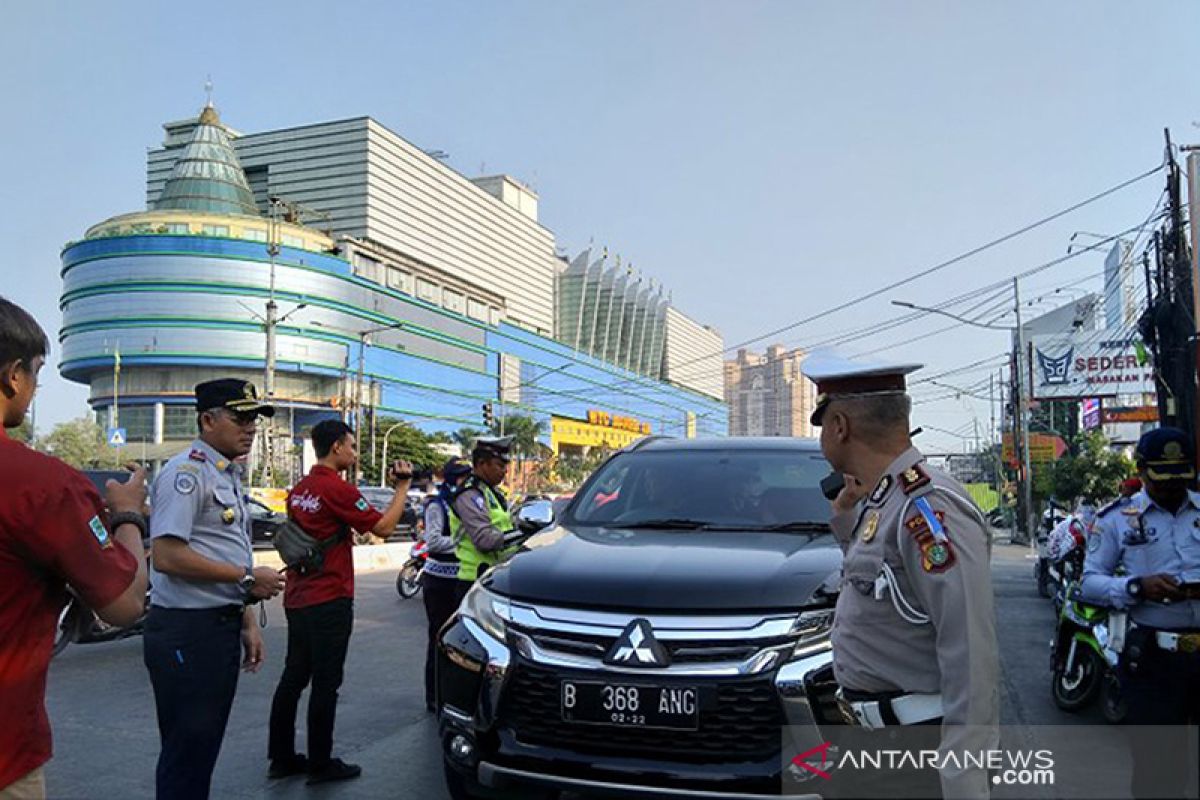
column 106, row 742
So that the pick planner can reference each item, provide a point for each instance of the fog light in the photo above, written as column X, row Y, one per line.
column 461, row 748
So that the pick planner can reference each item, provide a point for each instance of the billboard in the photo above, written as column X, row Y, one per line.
column 1089, row 364
column 1091, row 413
column 1130, row 414
column 1043, row 449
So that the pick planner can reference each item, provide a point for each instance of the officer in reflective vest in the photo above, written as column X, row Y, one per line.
column 480, row 520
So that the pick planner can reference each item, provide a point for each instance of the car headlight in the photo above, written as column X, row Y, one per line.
column 488, row 610
column 812, row 630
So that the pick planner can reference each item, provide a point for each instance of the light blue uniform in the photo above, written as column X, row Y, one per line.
column 198, row 497
column 1146, row 540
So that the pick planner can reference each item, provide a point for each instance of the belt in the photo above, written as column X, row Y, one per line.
column 1177, row 642
column 906, row 709
column 441, row 569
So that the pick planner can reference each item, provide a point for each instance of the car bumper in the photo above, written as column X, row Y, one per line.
column 477, row 673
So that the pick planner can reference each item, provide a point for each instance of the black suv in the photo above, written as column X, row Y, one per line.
column 656, row 639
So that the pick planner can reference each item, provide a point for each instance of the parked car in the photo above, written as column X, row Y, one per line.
column 264, row 521
column 657, row 637
column 381, row 498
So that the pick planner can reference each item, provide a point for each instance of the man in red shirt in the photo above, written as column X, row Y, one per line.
column 320, row 605
column 54, row 530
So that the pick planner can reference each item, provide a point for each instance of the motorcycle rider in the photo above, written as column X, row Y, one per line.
column 1154, row 536
column 439, row 578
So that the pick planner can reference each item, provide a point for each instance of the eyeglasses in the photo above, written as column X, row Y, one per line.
column 242, row 419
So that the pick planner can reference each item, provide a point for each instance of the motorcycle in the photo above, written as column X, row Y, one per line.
column 1046, row 582
column 1084, row 655
column 408, row 582
column 78, row 623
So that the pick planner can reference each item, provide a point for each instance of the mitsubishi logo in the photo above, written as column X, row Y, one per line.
column 637, row 647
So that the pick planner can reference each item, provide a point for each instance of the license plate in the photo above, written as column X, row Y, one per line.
column 631, row 705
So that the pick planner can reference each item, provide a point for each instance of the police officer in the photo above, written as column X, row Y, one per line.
column 1144, row 556
column 481, row 519
column 439, row 578
column 914, row 639
column 202, row 578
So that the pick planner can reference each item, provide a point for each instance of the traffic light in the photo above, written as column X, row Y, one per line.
column 488, row 418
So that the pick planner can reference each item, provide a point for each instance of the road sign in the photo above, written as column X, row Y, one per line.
column 116, row 437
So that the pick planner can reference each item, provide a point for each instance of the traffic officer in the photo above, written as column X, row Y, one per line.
column 1144, row 556
column 914, row 639
column 202, row 577
column 481, row 519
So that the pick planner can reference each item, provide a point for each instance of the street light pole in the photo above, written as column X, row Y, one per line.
column 270, row 323
column 358, row 399
column 383, row 461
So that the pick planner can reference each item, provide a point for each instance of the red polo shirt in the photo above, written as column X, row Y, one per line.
column 53, row 531
column 322, row 504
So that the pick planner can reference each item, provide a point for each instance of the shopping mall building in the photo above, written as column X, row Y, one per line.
column 396, row 280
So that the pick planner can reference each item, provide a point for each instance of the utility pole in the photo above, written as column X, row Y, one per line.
column 116, row 407
column 1021, row 412
column 1193, row 172
column 269, row 323
column 358, row 399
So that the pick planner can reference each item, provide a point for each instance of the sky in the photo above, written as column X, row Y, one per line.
column 766, row 161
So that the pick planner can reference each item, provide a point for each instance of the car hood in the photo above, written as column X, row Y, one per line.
column 671, row 570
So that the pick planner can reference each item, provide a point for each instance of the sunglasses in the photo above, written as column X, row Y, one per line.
column 242, row 419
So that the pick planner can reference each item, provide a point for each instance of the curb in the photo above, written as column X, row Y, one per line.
column 367, row 557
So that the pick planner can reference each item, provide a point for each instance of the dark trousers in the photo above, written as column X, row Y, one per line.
column 318, row 637
column 1161, row 688
column 193, row 656
column 441, row 601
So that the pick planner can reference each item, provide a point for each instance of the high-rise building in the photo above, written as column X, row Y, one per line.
column 767, row 394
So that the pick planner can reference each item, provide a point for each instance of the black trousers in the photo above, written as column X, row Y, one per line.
column 441, row 601
column 193, row 657
column 1161, row 688
column 318, row 638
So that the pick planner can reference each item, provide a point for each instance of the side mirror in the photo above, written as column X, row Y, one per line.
column 534, row 516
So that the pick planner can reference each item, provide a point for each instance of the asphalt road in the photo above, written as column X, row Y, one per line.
column 106, row 741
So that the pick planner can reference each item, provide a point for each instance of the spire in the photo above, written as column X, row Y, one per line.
column 208, row 176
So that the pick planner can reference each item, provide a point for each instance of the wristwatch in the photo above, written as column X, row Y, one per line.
column 1134, row 588
column 128, row 518
column 246, row 582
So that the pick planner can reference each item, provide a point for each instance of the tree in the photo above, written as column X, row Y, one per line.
column 465, row 438
column 1091, row 473
column 525, row 432
column 79, row 443
column 21, row 433
column 403, row 442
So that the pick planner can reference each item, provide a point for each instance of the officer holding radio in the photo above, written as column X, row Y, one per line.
column 1155, row 539
column 202, row 577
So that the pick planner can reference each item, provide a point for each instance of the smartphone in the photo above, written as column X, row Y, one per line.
column 832, row 484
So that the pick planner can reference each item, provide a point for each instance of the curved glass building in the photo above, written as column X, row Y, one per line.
column 159, row 300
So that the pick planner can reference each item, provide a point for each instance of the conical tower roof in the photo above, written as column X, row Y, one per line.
column 208, row 176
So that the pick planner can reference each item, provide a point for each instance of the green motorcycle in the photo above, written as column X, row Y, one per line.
column 1084, row 656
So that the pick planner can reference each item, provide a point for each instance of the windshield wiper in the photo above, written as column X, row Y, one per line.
column 794, row 525
column 666, row 523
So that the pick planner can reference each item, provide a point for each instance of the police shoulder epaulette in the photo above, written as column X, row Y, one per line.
column 913, row 479
column 197, row 455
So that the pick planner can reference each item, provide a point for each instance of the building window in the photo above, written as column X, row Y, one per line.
column 178, row 227
column 138, row 422
column 452, row 301
column 292, row 241
column 494, row 315
column 179, row 422
column 427, row 290
column 477, row 310
column 254, row 234
column 400, row 280
column 215, row 230
column 366, row 267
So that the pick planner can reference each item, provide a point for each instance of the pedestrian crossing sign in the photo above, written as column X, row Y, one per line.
column 116, row 437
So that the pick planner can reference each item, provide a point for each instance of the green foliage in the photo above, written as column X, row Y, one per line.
column 526, row 431
column 79, row 443
column 465, row 438
column 1092, row 473
column 405, row 442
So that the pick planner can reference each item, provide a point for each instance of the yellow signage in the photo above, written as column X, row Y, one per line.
column 577, row 433
column 604, row 419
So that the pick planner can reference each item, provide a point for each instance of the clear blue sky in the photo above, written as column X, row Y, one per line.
column 765, row 160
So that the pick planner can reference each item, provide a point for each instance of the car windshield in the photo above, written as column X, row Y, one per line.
column 750, row 489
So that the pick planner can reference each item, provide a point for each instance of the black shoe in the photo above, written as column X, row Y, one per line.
column 287, row 767
column 335, row 770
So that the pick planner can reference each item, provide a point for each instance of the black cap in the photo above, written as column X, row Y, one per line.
column 233, row 394
column 493, row 447
column 454, row 469
column 1166, row 454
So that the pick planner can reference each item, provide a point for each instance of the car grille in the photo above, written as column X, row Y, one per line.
column 681, row 652
column 740, row 720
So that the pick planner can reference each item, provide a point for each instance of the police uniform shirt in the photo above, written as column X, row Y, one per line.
column 930, row 627
column 1140, row 538
column 198, row 497
column 472, row 509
